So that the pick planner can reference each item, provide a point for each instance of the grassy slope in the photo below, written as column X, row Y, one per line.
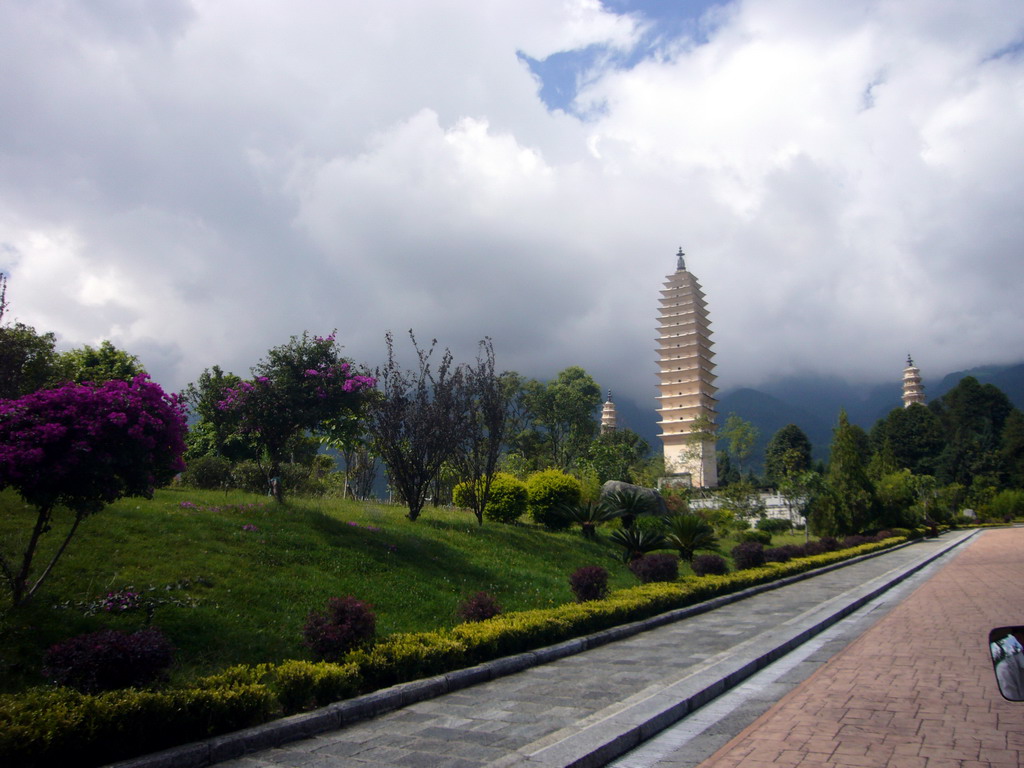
column 261, row 584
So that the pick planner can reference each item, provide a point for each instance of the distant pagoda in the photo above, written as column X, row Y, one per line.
column 686, row 384
column 913, row 389
column 608, row 415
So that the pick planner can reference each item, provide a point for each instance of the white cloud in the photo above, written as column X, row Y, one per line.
column 199, row 181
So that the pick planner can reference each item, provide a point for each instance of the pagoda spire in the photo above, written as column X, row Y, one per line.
column 608, row 415
column 913, row 389
column 680, row 262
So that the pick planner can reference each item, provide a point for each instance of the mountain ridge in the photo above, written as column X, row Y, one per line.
column 813, row 404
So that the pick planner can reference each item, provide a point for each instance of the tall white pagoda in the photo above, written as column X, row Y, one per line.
column 913, row 389
column 686, row 384
column 609, row 418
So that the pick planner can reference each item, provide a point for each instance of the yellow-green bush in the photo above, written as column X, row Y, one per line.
column 303, row 685
column 506, row 502
column 547, row 492
column 60, row 727
column 409, row 656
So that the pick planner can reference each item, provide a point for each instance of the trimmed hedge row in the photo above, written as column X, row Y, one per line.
column 50, row 727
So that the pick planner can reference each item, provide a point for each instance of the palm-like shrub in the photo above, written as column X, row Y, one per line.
column 637, row 542
column 588, row 515
column 629, row 505
column 690, row 533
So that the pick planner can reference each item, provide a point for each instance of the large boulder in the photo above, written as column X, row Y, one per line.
column 617, row 486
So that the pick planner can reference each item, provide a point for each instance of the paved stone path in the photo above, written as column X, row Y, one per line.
column 586, row 709
column 916, row 690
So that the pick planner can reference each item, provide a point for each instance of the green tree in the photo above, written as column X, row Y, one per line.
column 787, row 453
column 27, row 360
column 801, row 491
column 898, row 500
column 915, row 436
column 616, row 455
column 742, row 499
column 1011, row 450
column 563, row 415
column 740, row 436
column 849, row 504
column 103, row 363
column 216, row 431
column 973, row 416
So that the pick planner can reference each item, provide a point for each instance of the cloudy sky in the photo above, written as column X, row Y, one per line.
column 197, row 180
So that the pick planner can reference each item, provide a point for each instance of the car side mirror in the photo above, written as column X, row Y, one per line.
column 1004, row 643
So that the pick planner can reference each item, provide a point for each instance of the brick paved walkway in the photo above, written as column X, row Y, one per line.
column 917, row 690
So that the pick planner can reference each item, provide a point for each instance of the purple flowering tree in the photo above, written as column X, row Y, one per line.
column 81, row 447
column 299, row 387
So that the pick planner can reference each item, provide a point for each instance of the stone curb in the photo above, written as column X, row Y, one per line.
column 576, row 751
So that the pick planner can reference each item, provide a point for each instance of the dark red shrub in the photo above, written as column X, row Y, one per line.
column 814, row 548
column 830, row 543
column 659, row 567
column 883, row 535
column 478, row 607
column 709, row 565
column 750, row 554
column 777, row 555
column 784, row 554
column 109, row 659
column 589, row 583
column 345, row 624
column 856, row 540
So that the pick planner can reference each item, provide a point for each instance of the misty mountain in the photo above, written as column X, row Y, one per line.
column 813, row 404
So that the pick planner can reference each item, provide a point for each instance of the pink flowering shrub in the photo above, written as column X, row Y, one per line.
column 83, row 446
column 305, row 385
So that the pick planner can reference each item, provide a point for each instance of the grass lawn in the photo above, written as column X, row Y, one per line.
column 251, row 589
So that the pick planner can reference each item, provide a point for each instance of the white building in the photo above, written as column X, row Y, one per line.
column 686, row 384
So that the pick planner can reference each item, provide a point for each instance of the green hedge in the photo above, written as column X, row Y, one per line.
column 57, row 727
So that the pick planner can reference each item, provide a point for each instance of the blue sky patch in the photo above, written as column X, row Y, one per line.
column 564, row 73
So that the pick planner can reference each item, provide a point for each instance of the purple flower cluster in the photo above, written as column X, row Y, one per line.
column 121, row 601
column 251, row 506
column 367, row 527
column 86, row 445
column 250, row 527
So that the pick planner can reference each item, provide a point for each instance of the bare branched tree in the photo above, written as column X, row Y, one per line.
column 418, row 421
column 487, row 403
